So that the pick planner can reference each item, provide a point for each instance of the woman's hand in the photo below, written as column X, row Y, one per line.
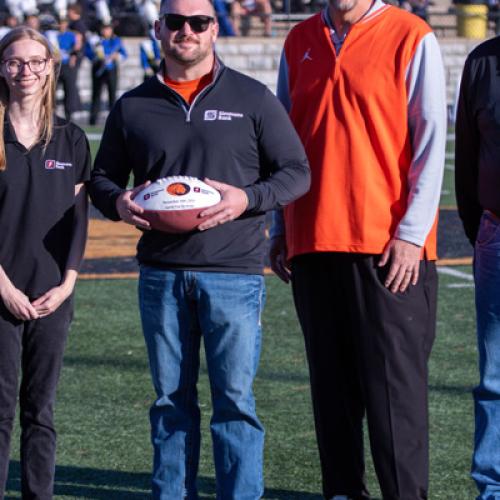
column 18, row 303
column 48, row 302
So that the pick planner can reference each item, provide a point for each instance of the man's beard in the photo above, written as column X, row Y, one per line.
column 190, row 58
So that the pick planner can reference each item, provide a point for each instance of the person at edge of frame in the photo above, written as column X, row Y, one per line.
column 364, row 85
column 477, row 176
column 44, row 162
column 207, row 283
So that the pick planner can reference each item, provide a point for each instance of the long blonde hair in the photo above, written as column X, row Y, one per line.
column 46, row 116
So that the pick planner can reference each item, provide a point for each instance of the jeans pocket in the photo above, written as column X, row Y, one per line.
column 488, row 229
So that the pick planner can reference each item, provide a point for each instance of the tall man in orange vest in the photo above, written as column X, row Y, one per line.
column 364, row 86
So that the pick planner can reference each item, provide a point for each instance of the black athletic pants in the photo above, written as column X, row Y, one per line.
column 367, row 350
column 67, row 77
column 35, row 347
column 100, row 78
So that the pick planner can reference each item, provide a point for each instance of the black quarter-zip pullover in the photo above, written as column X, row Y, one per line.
column 235, row 132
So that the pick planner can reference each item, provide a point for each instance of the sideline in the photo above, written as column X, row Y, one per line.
column 442, row 269
column 456, row 273
column 467, row 277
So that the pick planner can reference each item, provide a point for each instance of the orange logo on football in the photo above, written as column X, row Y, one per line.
column 178, row 189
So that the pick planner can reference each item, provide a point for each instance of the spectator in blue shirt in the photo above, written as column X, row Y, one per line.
column 150, row 55
column 67, row 43
column 225, row 24
column 105, row 52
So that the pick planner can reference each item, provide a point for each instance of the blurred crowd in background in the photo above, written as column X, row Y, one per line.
column 136, row 17
column 93, row 29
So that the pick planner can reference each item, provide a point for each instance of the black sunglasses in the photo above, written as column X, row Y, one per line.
column 199, row 24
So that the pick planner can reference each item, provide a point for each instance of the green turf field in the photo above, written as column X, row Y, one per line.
column 93, row 141
column 105, row 393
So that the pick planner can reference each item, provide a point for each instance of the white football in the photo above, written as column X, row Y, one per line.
column 173, row 204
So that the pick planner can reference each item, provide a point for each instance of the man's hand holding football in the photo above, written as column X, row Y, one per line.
column 129, row 211
column 234, row 202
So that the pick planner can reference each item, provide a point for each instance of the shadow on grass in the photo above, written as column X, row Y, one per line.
column 451, row 389
column 131, row 364
column 123, row 363
column 85, row 482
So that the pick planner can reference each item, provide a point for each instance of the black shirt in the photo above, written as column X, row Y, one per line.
column 235, row 132
column 37, row 197
column 477, row 144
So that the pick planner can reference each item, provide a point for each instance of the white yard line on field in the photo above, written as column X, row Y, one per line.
column 456, row 273
column 449, row 271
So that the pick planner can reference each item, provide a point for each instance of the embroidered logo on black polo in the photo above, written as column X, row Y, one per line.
column 56, row 165
column 213, row 114
column 210, row 115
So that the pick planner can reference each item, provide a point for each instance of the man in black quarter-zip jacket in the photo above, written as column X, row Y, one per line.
column 201, row 119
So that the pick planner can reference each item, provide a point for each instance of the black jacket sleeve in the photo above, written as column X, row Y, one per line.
column 111, row 169
column 286, row 175
column 467, row 155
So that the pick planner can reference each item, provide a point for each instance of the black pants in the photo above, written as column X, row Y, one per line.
column 67, row 77
column 37, row 348
column 367, row 350
column 101, row 78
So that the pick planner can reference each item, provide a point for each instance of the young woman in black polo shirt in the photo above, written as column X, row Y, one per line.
column 44, row 163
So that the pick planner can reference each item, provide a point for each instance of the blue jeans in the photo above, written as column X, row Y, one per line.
column 486, row 459
column 177, row 308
